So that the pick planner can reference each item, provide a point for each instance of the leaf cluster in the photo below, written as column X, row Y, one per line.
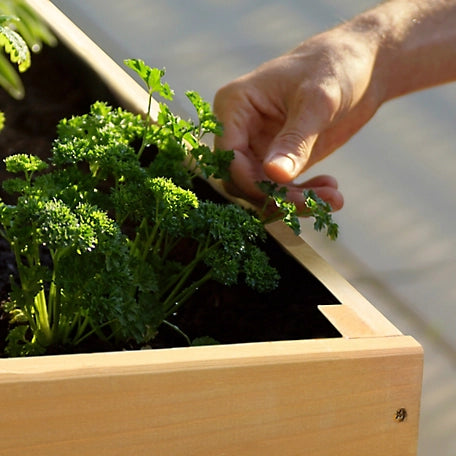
column 21, row 30
column 287, row 211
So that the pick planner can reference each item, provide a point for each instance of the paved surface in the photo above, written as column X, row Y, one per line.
column 398, row 241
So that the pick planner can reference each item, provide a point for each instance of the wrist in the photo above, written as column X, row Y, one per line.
column 367, row 34
column 414, row 44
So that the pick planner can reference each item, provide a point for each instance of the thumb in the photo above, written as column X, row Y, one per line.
column 290, row 151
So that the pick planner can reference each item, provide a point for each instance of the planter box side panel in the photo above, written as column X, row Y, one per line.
column 344, row 401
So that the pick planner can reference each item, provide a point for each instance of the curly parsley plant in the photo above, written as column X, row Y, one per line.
column 98, row 231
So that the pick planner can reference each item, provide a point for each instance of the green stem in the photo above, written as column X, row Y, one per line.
column 185, row 294
column 168, row 245
column 147, row 127
column 134, row 247
column 80, row 322
column 42, row 318
column 38, row 314
column 56, row 313
column 156, row 240
column 179, row 331
column 177, row 284
column 173, row 301
column 81, row 332
column 76, row 332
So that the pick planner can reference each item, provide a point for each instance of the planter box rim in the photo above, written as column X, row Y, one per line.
column 203, row 357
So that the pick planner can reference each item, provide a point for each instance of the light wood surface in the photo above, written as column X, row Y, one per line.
column 294, row 398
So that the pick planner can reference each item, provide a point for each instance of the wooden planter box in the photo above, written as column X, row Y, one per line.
column 354, row 395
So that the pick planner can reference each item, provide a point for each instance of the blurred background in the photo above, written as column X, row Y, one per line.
column 398, row 239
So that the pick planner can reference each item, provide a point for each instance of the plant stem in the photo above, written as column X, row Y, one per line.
column 177, row 295
column 187, row 293
column 42, row 318
column 147, row 126
column 39, row 314
column 179, row 331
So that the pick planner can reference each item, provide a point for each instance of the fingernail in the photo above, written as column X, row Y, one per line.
column 285, row 163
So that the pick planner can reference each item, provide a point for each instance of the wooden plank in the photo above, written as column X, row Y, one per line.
column 321, row 397
column 347, row 321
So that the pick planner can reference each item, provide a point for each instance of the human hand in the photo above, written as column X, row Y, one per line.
column 293, row 111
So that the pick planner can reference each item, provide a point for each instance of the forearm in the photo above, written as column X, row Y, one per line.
column 414, row 43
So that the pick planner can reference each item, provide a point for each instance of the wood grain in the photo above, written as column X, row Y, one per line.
column 322, row 397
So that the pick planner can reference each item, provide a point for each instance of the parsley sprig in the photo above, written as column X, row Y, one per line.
column 287, row 211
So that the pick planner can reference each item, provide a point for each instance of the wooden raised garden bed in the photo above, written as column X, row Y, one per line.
column 354, row 390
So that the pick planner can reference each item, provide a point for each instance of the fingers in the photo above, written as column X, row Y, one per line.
column 323, row 180
column 326, row 187
column 234, row 111
column 289, row 151
column 276, row 144
column 329, row 194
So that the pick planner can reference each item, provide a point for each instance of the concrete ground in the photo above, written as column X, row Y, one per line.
column 398, row 236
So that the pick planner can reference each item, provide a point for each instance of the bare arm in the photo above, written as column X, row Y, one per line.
column 294, row 110
column 414, row 41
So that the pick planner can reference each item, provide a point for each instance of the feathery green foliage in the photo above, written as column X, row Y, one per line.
column 99, row 236
column 287, row 211
column 109, row 238
column 21, row 30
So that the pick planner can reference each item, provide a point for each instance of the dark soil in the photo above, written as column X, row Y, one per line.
column 57, row 86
